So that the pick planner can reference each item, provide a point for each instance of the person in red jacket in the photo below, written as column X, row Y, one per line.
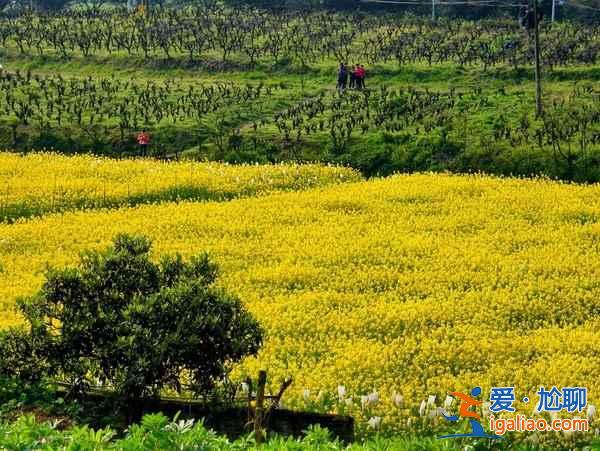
column 143, row 140
column 360, row 76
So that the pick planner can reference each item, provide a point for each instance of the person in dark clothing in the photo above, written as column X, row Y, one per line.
column 342, row 78
column 353, row 78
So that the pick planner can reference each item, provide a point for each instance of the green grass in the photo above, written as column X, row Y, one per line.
column 317, row 75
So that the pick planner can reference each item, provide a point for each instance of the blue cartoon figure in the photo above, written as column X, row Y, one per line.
column 464, row 411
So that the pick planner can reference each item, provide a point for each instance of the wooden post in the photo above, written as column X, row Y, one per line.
column 286, row 383
column 538, row 76
column 259, row 408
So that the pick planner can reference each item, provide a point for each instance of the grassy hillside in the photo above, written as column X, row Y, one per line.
column 454, row 95
column 412, row 118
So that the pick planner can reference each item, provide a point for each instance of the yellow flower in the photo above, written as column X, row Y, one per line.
column 43, row 182
column 416, row 284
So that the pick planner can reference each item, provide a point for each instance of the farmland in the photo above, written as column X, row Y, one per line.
column 410, row 285
column 80, row 82
column 40, row 183
column 427, row 234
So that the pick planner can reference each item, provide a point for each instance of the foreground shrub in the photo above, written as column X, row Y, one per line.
column 22, row 355
column 119, row 318
column 157, row 433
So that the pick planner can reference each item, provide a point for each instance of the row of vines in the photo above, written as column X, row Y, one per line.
column 569, row 130
column 219, row 35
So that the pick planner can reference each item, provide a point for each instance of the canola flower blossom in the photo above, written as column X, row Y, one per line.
column 37, row 183
column 412, row 286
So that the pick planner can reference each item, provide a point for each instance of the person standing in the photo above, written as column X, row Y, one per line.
column 353, row 79
column 342, row 78
column 143, row 140
column 360, row 77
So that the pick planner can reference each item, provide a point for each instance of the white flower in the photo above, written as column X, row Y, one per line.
column 245, row 388
column 423, row 408
column 534, row 438
column 373, row 398
column 398, row 399
column 431, row 401
column 348, row 401
column 440, row 412
column 485, row 408
column 306, row 394
column 374, row 422
column 364, row 401
column 341, row 392
column 591, row 411
column 448, row 401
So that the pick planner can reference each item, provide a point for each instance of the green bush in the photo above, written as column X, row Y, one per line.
column 119, row 318
column 16, row 396
column 157, row 433
column 22, row 355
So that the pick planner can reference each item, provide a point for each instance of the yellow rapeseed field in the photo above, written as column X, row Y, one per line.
column 402, row 289
column 40, row 182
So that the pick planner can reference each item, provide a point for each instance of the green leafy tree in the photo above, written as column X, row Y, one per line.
column 133, row 324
